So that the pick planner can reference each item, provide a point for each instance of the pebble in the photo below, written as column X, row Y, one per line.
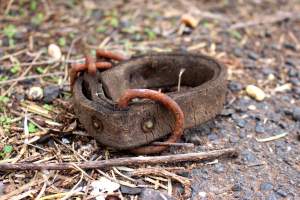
column 235, row 86
column 248, row 157
column 35, row 93
column 189, row 20
column 237, row 187
column 255, row 92
column 296, row 114
column 54, row 51
column 151, row 194
column 130, row 190
column 238, row 52
column 290, row 46
column 51, row 92
column 281, row 192
column 259, row 128
column 219, row 168
column 240, row 123
column 266, row 186
column 253, row 55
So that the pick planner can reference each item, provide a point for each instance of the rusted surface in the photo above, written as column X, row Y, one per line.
column 96, row 96
column 91, row 65
column 100, row 53
column 168, row 103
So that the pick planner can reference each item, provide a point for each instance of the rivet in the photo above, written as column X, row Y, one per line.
column 96, row 123
column 148, row 125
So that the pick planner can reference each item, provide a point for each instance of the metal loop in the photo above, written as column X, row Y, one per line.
column 168, row 103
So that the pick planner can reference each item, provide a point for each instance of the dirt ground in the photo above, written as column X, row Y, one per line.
column 258, row 41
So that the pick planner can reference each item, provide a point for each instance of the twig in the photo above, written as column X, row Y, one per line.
column 48, row 62
column 188, row 145
column 22, row 75
column 162, row 172
column 268, row 139
column 280, row 16
column 129, row 161
column 30, row 77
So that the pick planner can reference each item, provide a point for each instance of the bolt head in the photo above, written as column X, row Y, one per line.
column 97, row 124
column 148, row 125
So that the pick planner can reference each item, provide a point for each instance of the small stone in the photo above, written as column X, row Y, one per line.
column 237, row 187
column 151, row 194
column 241, row 123
column 189, row 20
column 259, row 128
column 235, row 86
column 130, row 190
column 219, row 168
column 296, row 114
column 238, row 52
column 248, row 157
column 271, row 77
column 54, row 51
column 51, row 92
column 253, row 55
column 281, row 192
column 252, row 107
column 255, row 92
column 290, row 46
column 35, row 93
column 266, row 186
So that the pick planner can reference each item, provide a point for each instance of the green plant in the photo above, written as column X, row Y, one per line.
column 37, row 19
column 3, row 78
column 4, row 99
column 7, row 149
column 32, row 128
column 16, row 68
column 235, row 34
column 150, row 33
column 5, row 122
column 40, row 70
column 62, row 41
column 48, row 107
column 33, row 5
column 10, row 31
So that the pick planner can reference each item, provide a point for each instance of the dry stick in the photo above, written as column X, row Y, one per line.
column 188, row 145
column 30, row 77
column 22, row 75
column 129, row 161
column 280, row 16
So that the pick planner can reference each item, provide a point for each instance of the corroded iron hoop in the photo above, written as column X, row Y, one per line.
column 168, row 103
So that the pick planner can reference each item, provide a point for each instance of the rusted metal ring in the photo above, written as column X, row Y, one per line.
column 91, row 65
column 168, row 103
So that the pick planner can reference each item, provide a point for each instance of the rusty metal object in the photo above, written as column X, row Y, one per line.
column 202, row 95
column 91, row 66
column 168, row 103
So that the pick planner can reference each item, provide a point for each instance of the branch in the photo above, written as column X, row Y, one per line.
column 129, row 161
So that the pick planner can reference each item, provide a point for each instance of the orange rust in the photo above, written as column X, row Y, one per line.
column 168, row 103
column 90, row 65
column 100, row 53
